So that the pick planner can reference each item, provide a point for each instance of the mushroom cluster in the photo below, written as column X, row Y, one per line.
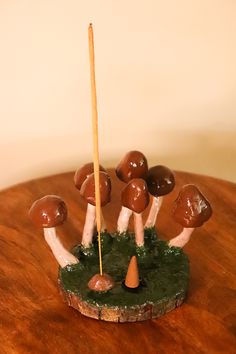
column 141, row 181
column 191, row 209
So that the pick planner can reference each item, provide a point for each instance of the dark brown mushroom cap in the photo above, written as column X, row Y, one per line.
column 101, row 282
column 83, row 172
column 133, row 165
column 135, row 195
column 49, row 211
column 160, row 180
column 191, row 208
column 87, row 189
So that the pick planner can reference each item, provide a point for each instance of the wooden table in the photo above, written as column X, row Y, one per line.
column 33, row 318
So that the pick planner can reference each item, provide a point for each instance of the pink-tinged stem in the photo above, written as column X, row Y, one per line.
column 154, row 210
column 62, row 256
column 182, row 238
column 123, row 219
column 103, row 223
column 138, row 229
column 89, row 226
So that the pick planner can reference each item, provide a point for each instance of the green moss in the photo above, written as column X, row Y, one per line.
column 164, row 270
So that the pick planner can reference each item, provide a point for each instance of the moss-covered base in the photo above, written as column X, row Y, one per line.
column 164, row 271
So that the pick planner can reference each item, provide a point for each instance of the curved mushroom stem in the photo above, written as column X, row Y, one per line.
column 62, row 256
column 182, row 238
column 123, row 219
column 156, row 205
column 138, row 229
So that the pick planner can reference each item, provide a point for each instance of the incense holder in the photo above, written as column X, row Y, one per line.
column 164, row 274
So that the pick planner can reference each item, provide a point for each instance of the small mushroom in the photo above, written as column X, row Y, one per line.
column 160, row 181
column 136, row 198
column 133, row 165
column 132, row 275
column 80, row 176
column 87, row 191
column 101, row 283
column 49, row 212
column 83, row 172
column 191, row 210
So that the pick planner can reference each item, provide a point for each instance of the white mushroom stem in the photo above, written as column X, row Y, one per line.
column 154, row 210
column 62, row 256
column 138, row 229
column 123, row 219
column 182, row 238
column 90, row 225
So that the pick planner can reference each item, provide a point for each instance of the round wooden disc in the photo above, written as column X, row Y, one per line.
column 163, row 279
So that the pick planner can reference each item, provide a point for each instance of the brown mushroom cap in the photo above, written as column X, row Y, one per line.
column 48, row 211
column 87, row 189
column 191, row 208
column 101, row 282
column 133, row 165
column 83, row 172
column 135, row 195
column 160, row 180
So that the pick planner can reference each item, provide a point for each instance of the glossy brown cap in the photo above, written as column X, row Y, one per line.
column 191, row 208
column 160, row 180
column 82, row 173
column 101, row 283
column 49, row 211
column 135, row 195
column 87, row 190
column 133, row 165
column 132, row 276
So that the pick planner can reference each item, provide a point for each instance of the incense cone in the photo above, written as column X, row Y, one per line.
column 132, row 276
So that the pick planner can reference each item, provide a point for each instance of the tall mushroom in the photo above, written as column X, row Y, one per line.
column 133, row 165
column 49, row 212
column 87, row 191
column 191, row 210
column 160, row 181
column 136, row 198
column 80, row 176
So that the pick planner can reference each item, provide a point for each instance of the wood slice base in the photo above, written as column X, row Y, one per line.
column 164, row 271
column 122, row 314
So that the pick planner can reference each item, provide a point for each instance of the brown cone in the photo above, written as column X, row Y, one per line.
column 132, row 276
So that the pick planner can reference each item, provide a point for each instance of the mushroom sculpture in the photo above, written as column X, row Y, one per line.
column 191, row 210
column 87, row 191
column 133, row 165
column 80, row 176
column 160, row 181
column 135, row 197
column 49, row 212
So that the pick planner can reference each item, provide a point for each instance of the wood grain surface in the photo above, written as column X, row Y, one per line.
column 34, row 319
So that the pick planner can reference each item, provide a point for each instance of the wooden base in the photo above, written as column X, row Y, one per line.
column 121, row 314
column 163, row 270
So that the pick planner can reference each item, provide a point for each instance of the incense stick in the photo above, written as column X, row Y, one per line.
column 95, row 140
